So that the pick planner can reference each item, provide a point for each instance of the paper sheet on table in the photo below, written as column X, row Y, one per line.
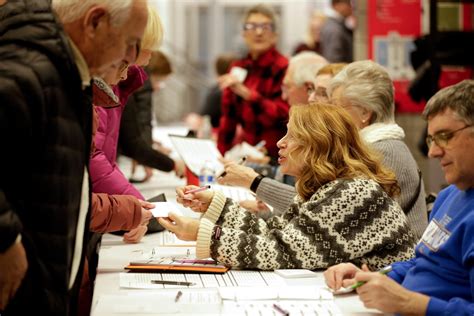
column 162, row 209
column 276, row 293
column 197, row 301
column 293, row 307
column 195, row 152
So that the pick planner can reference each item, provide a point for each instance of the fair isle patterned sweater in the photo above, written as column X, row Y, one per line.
column 347, row 220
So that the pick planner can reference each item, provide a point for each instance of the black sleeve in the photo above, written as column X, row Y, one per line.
column 135, row 145
column 11, row 105
column 212, row 105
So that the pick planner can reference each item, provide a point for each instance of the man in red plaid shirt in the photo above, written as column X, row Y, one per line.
column 255, row 102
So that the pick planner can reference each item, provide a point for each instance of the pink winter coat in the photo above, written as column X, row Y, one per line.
column 104, row 172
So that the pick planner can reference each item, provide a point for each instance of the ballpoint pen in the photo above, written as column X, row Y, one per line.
column 178, row 296
column 166, row 282
column 384, row 270
column 241, row 162
column 200, row 189
column 198, row 261
column 280, row 310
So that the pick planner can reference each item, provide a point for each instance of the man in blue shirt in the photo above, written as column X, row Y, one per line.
column 440, row 279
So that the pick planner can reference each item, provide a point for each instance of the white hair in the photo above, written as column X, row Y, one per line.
column 305, row 66
column 368, row 85
column 71, row 10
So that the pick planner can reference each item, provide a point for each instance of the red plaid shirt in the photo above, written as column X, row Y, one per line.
column 265, row 114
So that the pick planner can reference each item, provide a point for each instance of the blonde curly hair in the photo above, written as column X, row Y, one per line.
column 331, row 148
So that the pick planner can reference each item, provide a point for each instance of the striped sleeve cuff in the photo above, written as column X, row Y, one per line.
column 215, row 208
column 203, row 242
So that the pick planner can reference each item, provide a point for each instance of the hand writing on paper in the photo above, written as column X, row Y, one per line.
column 198, row 202
column 185, row 228
column 386, row 295
column 341, row 275
column 13, row 266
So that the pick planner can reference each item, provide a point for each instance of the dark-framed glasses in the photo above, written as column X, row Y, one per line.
column 442, row 139
column 253, row 27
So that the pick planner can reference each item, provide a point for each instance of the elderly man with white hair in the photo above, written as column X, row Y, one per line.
column 299, row 77
column 45, row 129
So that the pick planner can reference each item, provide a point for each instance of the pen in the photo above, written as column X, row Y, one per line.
column 198, row 189
column 199, row 261
column 178, row 296
column 241, row 162
column 165, row 282
column 384, row 270
column 280, row 310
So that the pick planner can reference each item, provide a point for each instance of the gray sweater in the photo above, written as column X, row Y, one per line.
column 396, row 156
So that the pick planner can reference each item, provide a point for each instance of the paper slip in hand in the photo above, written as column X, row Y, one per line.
column 296, row 273
column 239, row 73
column 162, row 209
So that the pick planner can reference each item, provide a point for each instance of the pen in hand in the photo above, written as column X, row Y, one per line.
column 203, row 188
column 241, row 162
column 384, row 270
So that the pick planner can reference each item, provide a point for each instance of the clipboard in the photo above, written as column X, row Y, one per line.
column 167, row 265
column 195, row 151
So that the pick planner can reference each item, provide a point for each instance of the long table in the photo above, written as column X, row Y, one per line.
column 114, row 255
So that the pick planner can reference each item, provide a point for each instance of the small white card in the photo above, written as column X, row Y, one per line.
column 296, row 273
column 162, row 209
column 239, row 73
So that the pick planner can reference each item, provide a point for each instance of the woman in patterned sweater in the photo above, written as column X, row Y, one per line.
column 343, row 210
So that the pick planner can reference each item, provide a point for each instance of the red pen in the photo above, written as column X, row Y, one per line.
column 198, row 189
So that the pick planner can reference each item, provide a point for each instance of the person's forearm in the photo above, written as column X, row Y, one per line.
column 415, row 304
column 276, row 194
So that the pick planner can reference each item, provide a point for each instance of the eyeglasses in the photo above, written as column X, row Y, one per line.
column 442, row 139
column 264, row 27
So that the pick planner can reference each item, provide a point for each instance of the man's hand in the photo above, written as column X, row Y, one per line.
column 382, row 293
column 185, row 228
column 13, row 266
column 341, row 275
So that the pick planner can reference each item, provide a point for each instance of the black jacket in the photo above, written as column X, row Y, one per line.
column 45, row 135
column 135, row 138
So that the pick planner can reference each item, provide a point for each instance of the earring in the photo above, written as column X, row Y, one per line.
column 363, row 121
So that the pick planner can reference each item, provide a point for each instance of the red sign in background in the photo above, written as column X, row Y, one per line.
column 403, row 17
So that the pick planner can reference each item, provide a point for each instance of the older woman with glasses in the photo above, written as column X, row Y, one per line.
column 254, row 100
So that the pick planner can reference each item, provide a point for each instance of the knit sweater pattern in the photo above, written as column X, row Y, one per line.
column 345, row 220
